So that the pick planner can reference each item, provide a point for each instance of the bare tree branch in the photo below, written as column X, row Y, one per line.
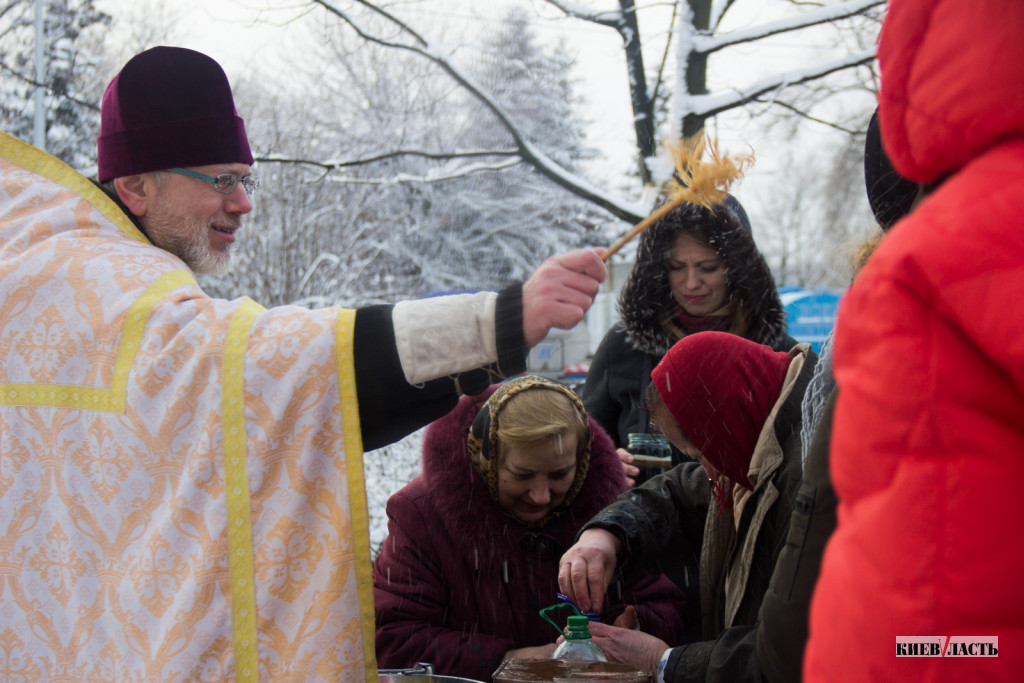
column 610, row 18
column 46, row 86
column 799, row 112
column 664, row 57
column 431, row 177
column 437, row 156
column 705, row 44
column 526, row 150
column 707, row 106
column 717, row 19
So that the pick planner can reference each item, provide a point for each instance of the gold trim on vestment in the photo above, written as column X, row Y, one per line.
column 107, row 399
column 37, row 161
column 356, row 485
column 241, row 567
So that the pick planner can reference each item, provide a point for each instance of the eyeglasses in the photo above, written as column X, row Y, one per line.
column 224, row 183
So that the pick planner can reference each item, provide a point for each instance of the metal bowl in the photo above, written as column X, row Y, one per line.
column 421, row 673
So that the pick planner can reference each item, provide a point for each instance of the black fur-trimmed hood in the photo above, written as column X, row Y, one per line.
column 750, row 280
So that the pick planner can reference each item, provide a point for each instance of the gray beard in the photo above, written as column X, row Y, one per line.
column 194, row 251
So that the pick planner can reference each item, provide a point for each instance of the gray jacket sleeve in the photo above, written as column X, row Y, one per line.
column 732, row 658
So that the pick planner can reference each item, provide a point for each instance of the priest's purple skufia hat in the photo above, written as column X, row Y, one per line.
column 169, row 107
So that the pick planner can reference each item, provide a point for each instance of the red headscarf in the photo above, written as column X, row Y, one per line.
column 720, row 388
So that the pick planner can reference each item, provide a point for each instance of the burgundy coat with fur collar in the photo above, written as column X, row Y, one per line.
column 458, row 583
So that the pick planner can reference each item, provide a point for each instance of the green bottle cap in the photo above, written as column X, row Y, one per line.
column 577, row 628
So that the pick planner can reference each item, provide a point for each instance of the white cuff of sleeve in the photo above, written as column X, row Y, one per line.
column 445, row 335
column 662, row 663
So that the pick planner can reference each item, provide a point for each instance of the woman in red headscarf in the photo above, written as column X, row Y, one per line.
column 733, row 405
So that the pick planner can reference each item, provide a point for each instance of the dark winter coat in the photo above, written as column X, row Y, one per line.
column 673, row 510
column 459, row 583
column 621, row 367
column 781, row 633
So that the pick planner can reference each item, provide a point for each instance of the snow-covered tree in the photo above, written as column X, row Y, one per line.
column 343, row 232
column 391, row 207
column 830, row 83
column 73, row 31
column 497, row 225
column 840, row 33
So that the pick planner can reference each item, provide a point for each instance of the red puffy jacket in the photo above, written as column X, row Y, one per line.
column 928, row 438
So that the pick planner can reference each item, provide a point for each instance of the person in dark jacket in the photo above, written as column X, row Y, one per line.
column 472, row 552
column 696, row 269
column 772, row 649
column 781, row 632
column 738, row 412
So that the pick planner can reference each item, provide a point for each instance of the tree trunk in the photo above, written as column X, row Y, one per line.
column 697, row 65
column 643, row 106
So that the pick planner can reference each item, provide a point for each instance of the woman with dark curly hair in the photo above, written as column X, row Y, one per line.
column 696, row 270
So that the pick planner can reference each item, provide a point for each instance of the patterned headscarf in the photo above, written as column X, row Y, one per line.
column 483, row 436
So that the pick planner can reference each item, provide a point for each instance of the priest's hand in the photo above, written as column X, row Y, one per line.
column 560, row 291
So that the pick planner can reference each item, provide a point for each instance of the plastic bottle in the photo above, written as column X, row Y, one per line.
column 578, row 645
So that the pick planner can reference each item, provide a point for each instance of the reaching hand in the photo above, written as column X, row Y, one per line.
column 628, row 468
column 629, row 646
column 627, row 619
column 586, row 569
column 560, row 291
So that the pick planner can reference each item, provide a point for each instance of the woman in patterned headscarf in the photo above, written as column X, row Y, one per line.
column 473, row 546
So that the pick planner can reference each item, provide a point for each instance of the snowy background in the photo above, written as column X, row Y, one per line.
column 420, row 146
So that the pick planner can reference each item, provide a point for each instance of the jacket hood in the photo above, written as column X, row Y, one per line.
column 951, row 73
column 468, row 510
column 647, row 290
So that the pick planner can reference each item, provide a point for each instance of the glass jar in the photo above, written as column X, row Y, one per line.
column 650, row 451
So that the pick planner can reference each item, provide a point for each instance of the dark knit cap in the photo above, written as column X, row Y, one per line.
column 891, row 195
column 169, row 107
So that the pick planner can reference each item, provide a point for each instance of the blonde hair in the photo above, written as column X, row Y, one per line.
column 864, row 251
column 539, row 414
